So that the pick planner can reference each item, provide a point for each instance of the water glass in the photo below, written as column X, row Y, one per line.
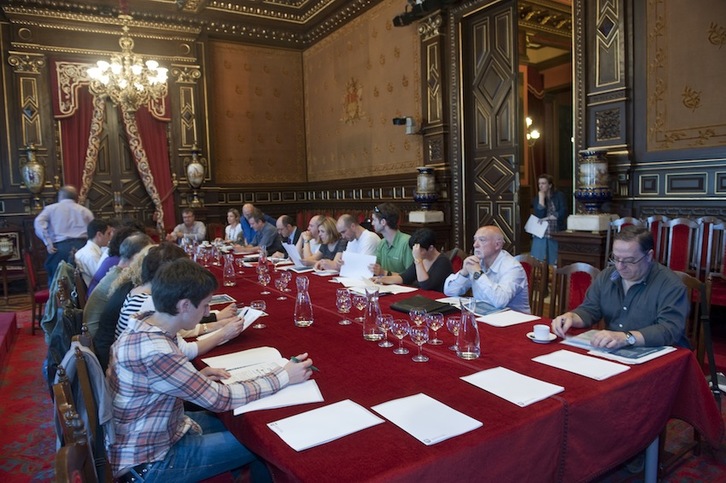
column 258, row 305
column 385, row 322
column 417, row 315
column 435, row 321
column 286, row 277
column 400, row 329
column 453, row 324
column 263, row 278
column 280, row 285
column 343, row 302
column 419, row 335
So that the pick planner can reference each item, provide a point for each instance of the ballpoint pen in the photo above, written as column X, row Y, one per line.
column 297, row 361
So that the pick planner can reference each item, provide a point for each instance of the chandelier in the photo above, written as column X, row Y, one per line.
column 127, row 79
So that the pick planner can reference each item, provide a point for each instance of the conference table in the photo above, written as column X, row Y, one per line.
column 583, row 432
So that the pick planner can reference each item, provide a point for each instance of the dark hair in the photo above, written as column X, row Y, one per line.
column 548, row 177
column 388, row 212
column 256, row 215
column 118, row 237
column 424, row 237
column 178, row 280
column 133, row 244
column 96, row 225
column 188, row 210
column 632, row 233
column 287, row 220
column 158, row 256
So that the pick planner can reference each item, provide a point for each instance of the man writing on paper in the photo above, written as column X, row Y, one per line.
column 150, row 378
column 495, row 278
column 643, row 302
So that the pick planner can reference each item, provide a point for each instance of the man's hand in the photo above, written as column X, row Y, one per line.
column 471, row 264
column 562, row 323
column 215, row 373
column 375, row 269
column 609, row 339
column 301, row 370
column 51, row 249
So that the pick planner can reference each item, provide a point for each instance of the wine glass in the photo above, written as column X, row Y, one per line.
column 400, row 328
column 360, row 302
column 435, row 321
column 453, row 324
column 343, row 303
column 419, row 335
column 240, row 262
column 384, row 322
column 258, row 305
column 280, row 285
column 417, row 315
column 264, row 279
column 286, row 277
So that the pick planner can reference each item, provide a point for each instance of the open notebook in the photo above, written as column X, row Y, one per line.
column 296, row 260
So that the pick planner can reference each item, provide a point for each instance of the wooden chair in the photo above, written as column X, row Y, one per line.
column 702, row 245
column 615, row 227
column 682, row 237
column 74, row 460
column 698, row 332
column 38, row 296
column 456, row 256
column 715, row 265
column 80, row 290
column 537, row 277
column 214, row 231
column 657, row 226
column 570, row 285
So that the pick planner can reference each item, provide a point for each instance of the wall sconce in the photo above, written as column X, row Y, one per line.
column 533, row 134
column 408, row 121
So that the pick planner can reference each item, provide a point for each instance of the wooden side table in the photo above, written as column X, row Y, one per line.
column 581, row 246
column 4, row 267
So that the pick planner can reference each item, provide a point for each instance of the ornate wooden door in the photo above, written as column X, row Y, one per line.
column 491, row 146
column 117, row 190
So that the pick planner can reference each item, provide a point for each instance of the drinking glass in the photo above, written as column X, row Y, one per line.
column 417, row 315
column 263, row 255
column 264, row 279
column 286, row 277
column 453, row 324
column 280, row 285
column 419, row 335
column 384, row 322
column 240, row 262
column 360, row 302
column 435, row 321
column 400, row 328
column 343, row 303
column 258, row 305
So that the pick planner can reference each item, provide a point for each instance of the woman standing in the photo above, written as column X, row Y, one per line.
column 234, row 228
column 550, row 207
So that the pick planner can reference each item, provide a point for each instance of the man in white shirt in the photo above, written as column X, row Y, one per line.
column 190, row 229
column 496, row 279
column 359, row 239
column 88, row 258
column 309, row 241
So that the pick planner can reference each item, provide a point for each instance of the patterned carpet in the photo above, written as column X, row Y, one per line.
column 27, row 438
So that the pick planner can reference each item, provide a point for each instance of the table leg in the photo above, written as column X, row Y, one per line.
column 651, row 462
column 5, row 281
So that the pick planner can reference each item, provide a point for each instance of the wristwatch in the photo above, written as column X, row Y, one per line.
column 629, row 338
column 476, row 275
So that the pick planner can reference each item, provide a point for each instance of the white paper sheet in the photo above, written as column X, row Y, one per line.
column 514, row 387
column 536, row 226
column 249, row 314
column 325, row 424
column 295, row 258
column 355, row 265
column 244, row 358
column 507, row 318
column 587, row 366
column 426, row 419
column 303, row 393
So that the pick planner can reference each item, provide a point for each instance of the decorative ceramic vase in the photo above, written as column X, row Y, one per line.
column 425, row 193
column 6, row 246
column 195, row 175
column 32, row 172
column 593, row 189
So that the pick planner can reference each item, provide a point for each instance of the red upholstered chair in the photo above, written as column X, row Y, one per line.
column 456, row 256
column 570, row 285
column 214, row 231
column 657, row 226
column 682, row 239
column 615, row 227
column 702, row 240
column 716, row 264
column 38, row 296
column 537, row 277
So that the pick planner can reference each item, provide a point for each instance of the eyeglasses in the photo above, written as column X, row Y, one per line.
column 615, row 261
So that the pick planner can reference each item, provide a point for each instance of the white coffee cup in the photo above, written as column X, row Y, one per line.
column 541, row 332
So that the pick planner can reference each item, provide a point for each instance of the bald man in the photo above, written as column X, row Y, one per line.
column 496, row 279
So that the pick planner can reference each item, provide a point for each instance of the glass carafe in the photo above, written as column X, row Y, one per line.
column 228, row 275
column 467, row 341
column 371, row 330
column 303, row 305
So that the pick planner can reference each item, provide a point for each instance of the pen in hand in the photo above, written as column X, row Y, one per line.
column 296, row 361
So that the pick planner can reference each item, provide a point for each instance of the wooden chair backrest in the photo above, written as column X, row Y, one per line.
column 615, row 227
column 456, row 256
column 657, row 224
column 80, row 288
column 570, row 286
column 682, row 239
column 537, row 278
column 696, row 293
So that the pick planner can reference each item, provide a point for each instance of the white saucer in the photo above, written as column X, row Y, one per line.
column 530, row 335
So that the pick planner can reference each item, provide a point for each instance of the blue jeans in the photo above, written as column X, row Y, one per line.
column 199, row 456
column 544, row 249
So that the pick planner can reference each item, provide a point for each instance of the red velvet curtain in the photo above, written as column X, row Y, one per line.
column 74, row 131
column 153, row 135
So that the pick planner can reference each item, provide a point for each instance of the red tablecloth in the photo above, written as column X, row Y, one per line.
column 574, row 436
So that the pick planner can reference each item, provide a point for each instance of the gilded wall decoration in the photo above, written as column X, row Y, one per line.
column 352, row 102
column 384, row 63
column 685, row 74
column 256, row 110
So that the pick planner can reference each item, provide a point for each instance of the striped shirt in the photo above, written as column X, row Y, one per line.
column 149, row 378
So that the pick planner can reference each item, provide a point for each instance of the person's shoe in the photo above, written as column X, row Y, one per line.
column 637, row 464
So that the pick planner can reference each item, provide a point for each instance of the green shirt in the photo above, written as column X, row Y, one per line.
column 395, row 257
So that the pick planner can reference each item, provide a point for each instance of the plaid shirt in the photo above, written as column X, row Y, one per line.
column 149, row 379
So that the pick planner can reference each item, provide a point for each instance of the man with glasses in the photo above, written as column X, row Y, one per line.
column 495, row 278
column 642, row 302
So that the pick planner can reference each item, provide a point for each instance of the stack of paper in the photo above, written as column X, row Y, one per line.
column 303, row 393
column 514, row 387
column 426, row 419
column 591, row 367
column 626, row 355
column 324, row 424
column 248, row 364
column 507, row 318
